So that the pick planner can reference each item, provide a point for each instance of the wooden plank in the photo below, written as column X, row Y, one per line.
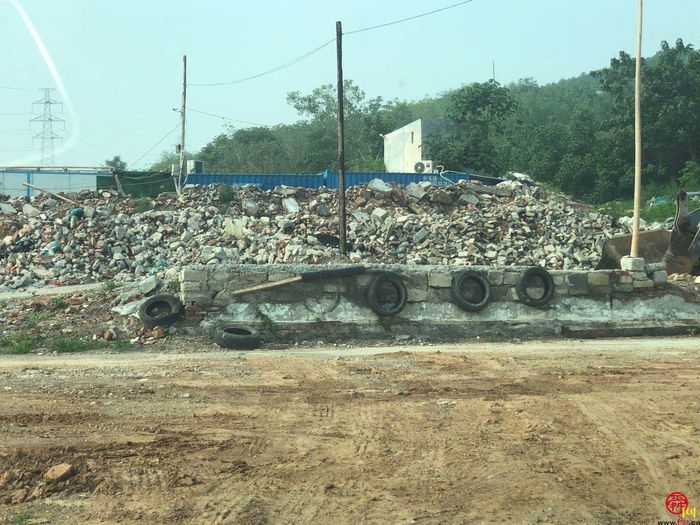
column 266, row 286
column 59, row 197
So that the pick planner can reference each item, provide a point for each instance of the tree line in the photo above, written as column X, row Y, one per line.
column 575, row 135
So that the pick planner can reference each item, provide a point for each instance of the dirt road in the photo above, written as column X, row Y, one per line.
column 555, row 432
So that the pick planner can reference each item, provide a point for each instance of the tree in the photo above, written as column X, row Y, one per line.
column 117, row 163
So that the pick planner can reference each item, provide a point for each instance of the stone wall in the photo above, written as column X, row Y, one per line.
column 212, row 285
column 337, row 307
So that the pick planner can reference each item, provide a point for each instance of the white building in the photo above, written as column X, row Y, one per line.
column 403, row 150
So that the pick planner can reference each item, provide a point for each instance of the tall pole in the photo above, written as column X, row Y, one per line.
column 341, row 137
column 634, row 249
column 181, row 178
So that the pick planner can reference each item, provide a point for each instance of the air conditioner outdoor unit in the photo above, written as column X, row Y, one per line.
column 423, row 166
column 195, row 166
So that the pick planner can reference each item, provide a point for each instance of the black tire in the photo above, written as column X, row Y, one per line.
column 237, row 337
column 161, row 310
column 459, row 297
column 373, row 295
column 524, row 280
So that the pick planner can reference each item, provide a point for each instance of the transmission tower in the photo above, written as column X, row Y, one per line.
column 47, row 135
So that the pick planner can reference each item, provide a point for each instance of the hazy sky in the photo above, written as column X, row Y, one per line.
column 120, row 61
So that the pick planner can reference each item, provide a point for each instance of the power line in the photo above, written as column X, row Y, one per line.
column 17, row 88
column 155, row 145
column 269, row 71
column 225, row 118
column 407, row 19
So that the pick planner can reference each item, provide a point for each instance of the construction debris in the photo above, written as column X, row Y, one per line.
column 51, row 241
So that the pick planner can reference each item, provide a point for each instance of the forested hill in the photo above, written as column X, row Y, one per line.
column 576, row 134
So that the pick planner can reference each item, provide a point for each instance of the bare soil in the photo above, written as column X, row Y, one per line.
column 540, row 432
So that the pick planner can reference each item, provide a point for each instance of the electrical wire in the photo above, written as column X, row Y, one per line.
column 154, row 146
column 225, row 118
column 17, row 88
column 407, row 19
column 269, row 71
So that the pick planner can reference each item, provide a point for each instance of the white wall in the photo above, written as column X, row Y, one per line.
column 11, row 182
column 403, row 148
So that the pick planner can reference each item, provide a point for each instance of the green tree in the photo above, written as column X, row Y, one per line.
column 117, row 163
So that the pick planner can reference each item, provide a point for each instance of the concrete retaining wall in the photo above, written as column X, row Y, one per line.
column 337, row 308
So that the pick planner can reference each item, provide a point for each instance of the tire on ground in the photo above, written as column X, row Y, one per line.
column 374, row 292
column 161, row 310
column 522, row 285
column 462, row 300
column 237, row 337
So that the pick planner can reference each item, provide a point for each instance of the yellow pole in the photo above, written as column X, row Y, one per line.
column 634, row 250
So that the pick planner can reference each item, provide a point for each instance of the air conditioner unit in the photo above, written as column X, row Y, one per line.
column 195, row 166
column 423, row 166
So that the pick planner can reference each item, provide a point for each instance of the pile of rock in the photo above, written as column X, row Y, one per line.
column 109, row 236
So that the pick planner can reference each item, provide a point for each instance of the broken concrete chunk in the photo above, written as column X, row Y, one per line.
column 415, row 191
column 379, row 185
column 59, row 473
column 6, row 209
column 469, row 199
column 379, row 214
column 291, row 205
column 30, row 211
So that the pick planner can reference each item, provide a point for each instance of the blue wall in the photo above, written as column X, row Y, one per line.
column 327, row 178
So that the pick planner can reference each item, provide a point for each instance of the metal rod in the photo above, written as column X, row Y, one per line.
column 634, row 248
column 341, row 138
column 181, row 177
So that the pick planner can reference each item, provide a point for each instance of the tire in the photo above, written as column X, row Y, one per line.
column 464, row 302
column 237, row 337
column 374, row 299
column 525, row 277
column 161, row 310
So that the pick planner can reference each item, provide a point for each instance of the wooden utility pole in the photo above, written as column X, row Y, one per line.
column 493, row 70
column 634, row 249
column 341, row 138
column 181, row 177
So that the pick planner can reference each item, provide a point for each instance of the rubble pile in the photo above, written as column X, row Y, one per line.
column 111, row 237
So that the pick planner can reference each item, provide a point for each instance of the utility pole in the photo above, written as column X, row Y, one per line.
column 493, row 70
column 47, row 134
column 182, row 175
column 634, row 248
column 341, row 138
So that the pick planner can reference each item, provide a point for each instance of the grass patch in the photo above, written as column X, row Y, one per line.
column 122, row 345
column 35, row 318
column 109, row 286
column 20, row 518
column 658, row 213
column 21, row 345
column 64, row 345
column 142, row 204
column 58, row 303
column 226, row 194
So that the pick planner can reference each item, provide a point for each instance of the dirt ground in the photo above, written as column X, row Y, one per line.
column 539, row 432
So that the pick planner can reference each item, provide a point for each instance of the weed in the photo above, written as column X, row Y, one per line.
column 59, row 303
column 123, row 345
column 109, row 286
column 142, row 204
column 20, row 518
column 268, row 324
column 17, row 346
column 71, row 344
column 34, row 318
column 226, row 194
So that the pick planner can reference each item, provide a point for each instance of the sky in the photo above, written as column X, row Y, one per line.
column 117, row 66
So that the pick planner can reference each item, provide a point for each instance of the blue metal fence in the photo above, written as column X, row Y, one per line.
column 327, row 178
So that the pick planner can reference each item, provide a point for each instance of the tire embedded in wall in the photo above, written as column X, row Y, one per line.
column 468, row 302
column 377, row 296
column 521, row 287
